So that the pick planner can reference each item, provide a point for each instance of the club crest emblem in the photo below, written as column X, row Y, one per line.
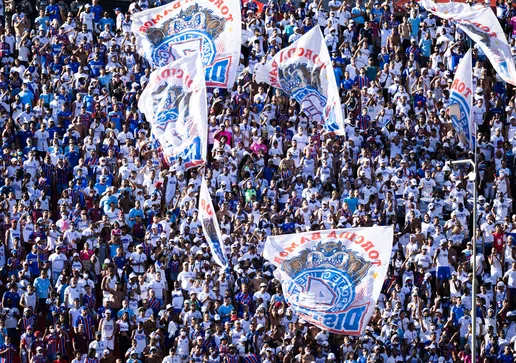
column 324, row 277
column 193, row 29
column 303, row 83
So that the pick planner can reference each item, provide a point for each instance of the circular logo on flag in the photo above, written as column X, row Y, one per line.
column 324, row 277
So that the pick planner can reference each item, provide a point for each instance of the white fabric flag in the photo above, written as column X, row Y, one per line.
column 332, row 278
column 304, row 71
column 461, row 99
column 482, row 26
column 174, row 103
column 172, row 31
column 210, row 226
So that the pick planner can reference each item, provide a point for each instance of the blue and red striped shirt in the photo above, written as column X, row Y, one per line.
column 88, row 323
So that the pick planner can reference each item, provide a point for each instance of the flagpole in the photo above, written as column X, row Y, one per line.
column 474, row 265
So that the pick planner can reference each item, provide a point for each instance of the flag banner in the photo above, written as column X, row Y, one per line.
column 304, row 71
column 210, row 226
column 170, row 32
column 461, row 99
column 174, row 103
column 482, row 26
column 332, row 278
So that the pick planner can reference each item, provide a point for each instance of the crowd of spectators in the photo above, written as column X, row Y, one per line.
column 103, row 256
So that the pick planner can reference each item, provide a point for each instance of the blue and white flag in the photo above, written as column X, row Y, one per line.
column 461, row 99
column 332, row 278
column 172, row 31
column 174, row 103
column 305, row 72
column 210, row 226
column 482, row 26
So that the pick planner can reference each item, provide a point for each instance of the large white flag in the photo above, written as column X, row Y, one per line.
column 170, row 32
column 210, row 226
column 482, row 26
column 461, row 98
column 174, row 103
column 304, row 71
column 333, row 278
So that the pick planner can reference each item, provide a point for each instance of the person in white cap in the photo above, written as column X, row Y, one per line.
column 137, row 260
column 107, row 327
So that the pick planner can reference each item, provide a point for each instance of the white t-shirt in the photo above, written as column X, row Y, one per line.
column 73, row 293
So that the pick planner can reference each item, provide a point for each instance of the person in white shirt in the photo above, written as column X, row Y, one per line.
column 138, row 259
column 72, row 292
column 58, row 261
column 262, row 296
column 186, row 277
column 158, row 285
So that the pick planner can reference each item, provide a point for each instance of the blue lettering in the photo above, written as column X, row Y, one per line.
column 353, row 318
column 348, row 321
column 218, row 72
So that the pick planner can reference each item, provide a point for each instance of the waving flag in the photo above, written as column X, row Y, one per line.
column 304, row 71
column 461, row 99
column 170, row 32
column 332, row 278
column 210, row 226
column 482, row 26
column 174, row 103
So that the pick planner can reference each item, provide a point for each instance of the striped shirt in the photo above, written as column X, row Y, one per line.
column 232, row 358
column 27, row 322
column 48, row 171
column 251, row 358
column 88, row 323
column 62, row 175
column 52, row 342
column 8, row 357
column 154, row 304
column 38, row 359
column 89, row 300
column 362, row 81
column 62, row 342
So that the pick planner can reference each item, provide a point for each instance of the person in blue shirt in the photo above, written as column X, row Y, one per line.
column 32, row 259
column 63, row 116
column 425, row 44
column 12, row 296
column 337, row 71
column 347, row 83
column 96, row 64
column 26, row 96
column 116, row 117
column 101, row 186
column 420, row 97
column 106, row 20
column 41, row 21
column 457, row 310
column 125, row 309
column 24, row 134
column 414, row 20
column 225, row 310
column 97, row 10
column 56, row 65
column 52, row 10
column 72, row 153
column 289, row 226
column 377, row 12
column 135, row 212
column 383, row 57
column 357, row 13
column 88, row 100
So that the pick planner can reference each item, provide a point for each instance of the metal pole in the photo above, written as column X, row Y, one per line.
column 474, row 264
column 474, row 254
